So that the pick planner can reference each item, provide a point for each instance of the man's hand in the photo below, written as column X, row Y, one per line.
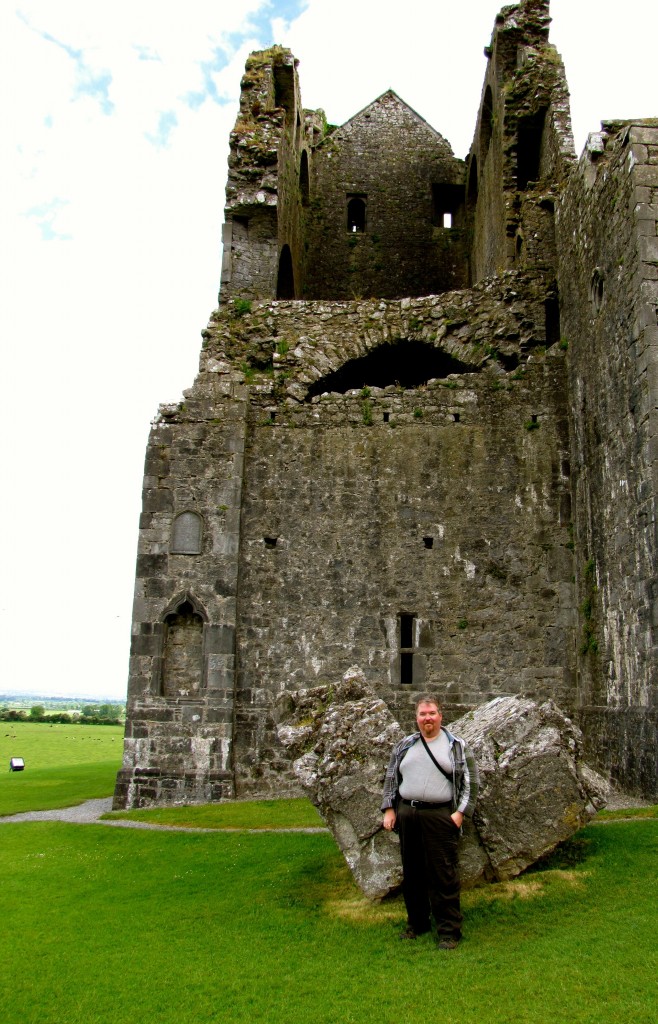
column 458, row 818
column 389, row 819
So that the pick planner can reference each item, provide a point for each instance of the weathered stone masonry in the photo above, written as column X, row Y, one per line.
column 608, row 275
column 422, row 435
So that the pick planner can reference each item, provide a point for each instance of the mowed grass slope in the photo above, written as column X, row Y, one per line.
column 64, row 764
column 109, row 926
column 241, row 814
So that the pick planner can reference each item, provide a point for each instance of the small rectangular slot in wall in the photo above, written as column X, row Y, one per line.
column 406, row 669
column 552, row 318
column 406, row 631
column 428, row 542
column 386, row 417
column 530, row 141
column 270, row 542
column 284, row 89
column 407, row 628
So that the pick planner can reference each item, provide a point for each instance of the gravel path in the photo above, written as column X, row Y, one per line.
column 90, row 813
column 618, row 801
column 83, row 814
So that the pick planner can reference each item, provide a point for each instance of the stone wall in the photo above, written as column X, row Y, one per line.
column 182, row 662
column 452, row 514
column 380, row 481
column 263, row 230
column 417, row 523
column 405, row 175
column 523, row 146
column 608, row 279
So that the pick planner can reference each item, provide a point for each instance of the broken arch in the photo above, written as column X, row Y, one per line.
column 408, row 364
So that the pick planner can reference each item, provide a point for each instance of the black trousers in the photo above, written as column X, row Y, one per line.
column 428, row 844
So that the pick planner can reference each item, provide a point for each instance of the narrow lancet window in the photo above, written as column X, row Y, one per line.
column 285, row 284
column 304, row 179
column 406, row 649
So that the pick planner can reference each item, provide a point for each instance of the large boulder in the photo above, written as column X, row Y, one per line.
column 341, row 738
column 535, row 790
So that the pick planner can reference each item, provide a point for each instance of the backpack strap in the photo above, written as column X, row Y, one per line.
column 445, row 774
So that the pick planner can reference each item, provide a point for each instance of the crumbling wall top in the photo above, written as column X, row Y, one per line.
column 531, row 18
column 287, row 350
column 268, row 98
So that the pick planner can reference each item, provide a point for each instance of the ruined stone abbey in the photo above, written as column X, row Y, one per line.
column 423, row 439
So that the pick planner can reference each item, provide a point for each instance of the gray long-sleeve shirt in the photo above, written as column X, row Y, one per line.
column 464, row 773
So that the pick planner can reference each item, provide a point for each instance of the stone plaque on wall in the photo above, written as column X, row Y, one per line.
column 186, row 537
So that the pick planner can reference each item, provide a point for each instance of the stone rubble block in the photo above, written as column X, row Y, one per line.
column 341, row 738
column 649, row 249
column 535, row 790
column 644, row 133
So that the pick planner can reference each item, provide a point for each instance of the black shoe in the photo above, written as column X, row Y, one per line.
column 411, row 933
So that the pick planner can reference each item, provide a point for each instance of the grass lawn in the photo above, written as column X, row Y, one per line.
column 113, row 926
column 247, row 814
column 64, row 764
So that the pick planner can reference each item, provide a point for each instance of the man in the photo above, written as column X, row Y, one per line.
column 431, row 784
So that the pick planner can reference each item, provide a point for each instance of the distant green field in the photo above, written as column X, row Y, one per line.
column 64, row 764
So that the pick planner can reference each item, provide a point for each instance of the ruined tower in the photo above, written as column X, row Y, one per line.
column 422, row 436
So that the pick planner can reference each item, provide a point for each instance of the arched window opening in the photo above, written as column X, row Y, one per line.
column 486, row 123
column 529, row 147
column 356, row 214
column 285, row 283
column 182, row 662
column 303, row 179
column 186, row 534
column 407, row 363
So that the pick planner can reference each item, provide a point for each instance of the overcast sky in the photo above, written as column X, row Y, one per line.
column 115, row 121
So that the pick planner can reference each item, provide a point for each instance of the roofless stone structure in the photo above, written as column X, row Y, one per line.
column 423, row 437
